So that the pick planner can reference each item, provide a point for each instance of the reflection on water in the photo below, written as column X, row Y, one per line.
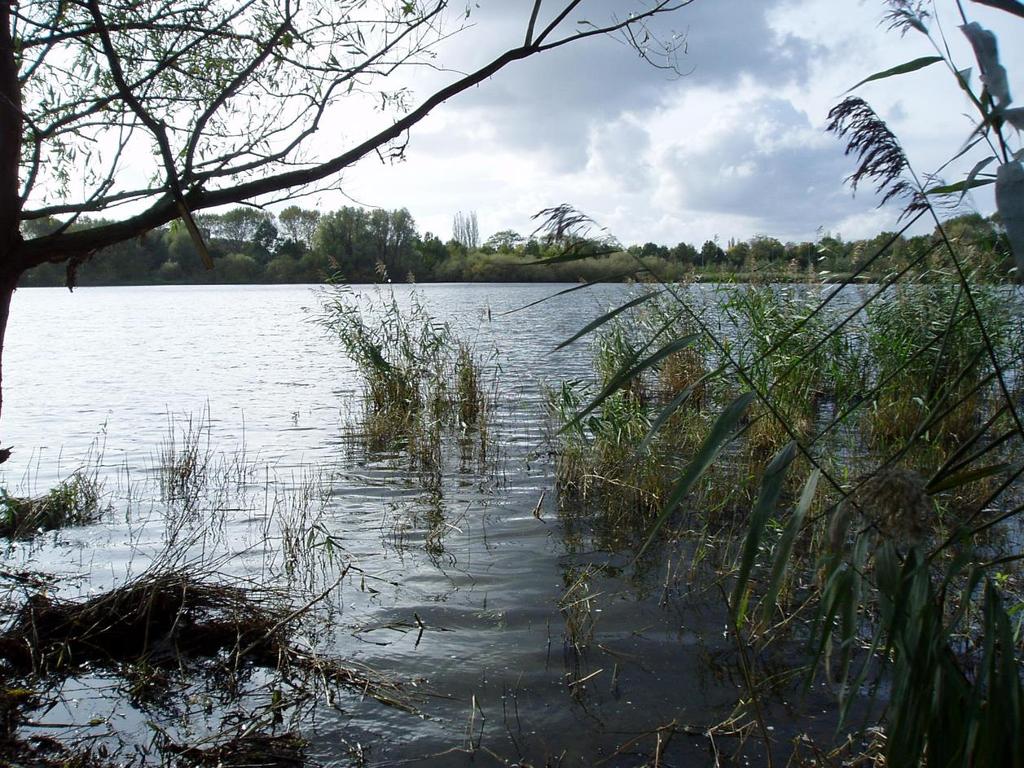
column 524, row 640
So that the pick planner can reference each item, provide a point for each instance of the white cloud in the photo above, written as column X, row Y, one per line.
column 735, row 148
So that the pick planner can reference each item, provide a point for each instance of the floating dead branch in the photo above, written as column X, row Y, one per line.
column 163, row 619
column 157, row 618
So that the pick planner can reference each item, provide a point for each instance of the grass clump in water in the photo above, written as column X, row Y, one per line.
column 599, row 467
column 420, row 380
column 74, row 501
column 783, row 348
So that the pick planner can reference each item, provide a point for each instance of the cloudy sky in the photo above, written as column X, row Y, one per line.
column 732, row 147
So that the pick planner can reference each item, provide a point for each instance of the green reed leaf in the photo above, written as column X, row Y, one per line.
column 1010, row 6
column 606, row 317
column 785, row 548
column 764, row 507
column 902, row 69
column 940, row 484
column 960, row 186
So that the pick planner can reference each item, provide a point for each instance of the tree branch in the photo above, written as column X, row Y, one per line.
column 156, row 128
column 170, row 204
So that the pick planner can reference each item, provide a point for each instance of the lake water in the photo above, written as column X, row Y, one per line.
column 460, row 596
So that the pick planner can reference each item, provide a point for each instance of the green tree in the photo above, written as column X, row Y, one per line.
column 737, row 253
column 684, row 253
column 430, row 253
column 653, row 250
column 711, row 254
column 298, row 225
column 764, row 249
column 237, row 268
column 506, row 241
column 342, row 238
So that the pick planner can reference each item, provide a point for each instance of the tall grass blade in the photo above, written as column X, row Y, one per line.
column 606, row 317
column 576, row 255
column 1010, row 6
column 582, row 286
column 959, row 479
column 902, row 69
column 962, row 186
column 767, row 500
column 785, row 547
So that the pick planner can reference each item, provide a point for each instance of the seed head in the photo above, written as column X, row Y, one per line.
column 895, row 498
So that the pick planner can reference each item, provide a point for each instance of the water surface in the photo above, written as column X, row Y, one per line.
column 480, row 568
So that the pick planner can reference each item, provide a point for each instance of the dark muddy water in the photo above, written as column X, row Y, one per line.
column 520, row 639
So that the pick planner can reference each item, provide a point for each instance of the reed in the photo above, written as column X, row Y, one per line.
column 420, row 381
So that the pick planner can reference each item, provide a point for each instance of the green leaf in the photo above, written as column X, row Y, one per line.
column 963, row 478
column 582, row 286
column 578, row 254
column 606, row 317
column 978, row 168
column 767, row 500
column 785, row 548
column 721, row 432
column 960, row 186
column 902, row 69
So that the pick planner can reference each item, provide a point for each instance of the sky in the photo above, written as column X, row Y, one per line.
column 731, row 146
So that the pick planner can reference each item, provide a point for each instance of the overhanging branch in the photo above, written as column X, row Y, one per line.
column 60, row 247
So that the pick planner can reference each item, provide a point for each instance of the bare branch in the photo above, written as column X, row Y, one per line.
column 533, row 23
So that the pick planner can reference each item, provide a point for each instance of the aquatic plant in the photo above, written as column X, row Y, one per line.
column 601, row 469
column 74, row 501
column 902, row 603
column 184, row 462
column 419, row 378
column 928, row 352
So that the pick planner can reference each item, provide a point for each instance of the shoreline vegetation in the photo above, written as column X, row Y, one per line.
column 356, row 245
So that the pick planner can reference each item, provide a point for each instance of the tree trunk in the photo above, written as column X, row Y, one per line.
column 11, row 261
column 7, row 286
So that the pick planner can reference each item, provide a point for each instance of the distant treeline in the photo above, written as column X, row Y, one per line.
column 250, row 245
